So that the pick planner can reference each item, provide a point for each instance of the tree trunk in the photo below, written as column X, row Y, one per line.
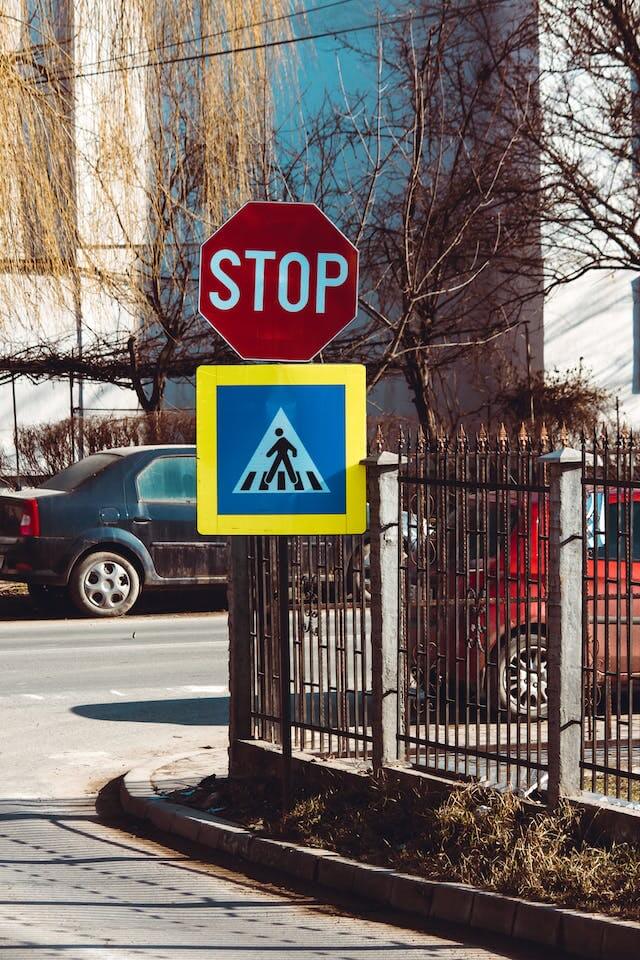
column 418, row 378
column 152, row 402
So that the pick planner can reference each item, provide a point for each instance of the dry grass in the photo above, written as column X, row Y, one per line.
column 473, row 836
column 614, row 788
column 8, row 589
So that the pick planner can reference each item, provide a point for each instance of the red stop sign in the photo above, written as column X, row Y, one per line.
column 278, row 281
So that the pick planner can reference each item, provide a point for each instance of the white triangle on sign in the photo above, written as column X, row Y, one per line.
column 281, row 463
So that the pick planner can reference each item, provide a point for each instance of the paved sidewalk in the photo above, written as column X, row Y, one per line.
column 75, row 888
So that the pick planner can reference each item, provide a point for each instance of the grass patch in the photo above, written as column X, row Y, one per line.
column 473, row 835
column 615, row 788
column 10, row 589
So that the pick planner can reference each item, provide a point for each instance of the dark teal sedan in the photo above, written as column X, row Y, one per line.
column 109, row 526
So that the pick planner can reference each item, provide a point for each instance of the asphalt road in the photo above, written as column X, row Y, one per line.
column 87, row 698
column 82, row 701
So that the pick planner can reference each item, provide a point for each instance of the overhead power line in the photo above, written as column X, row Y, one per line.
column 304, row 11
column 266, row 45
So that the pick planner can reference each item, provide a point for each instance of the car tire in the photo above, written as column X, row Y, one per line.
column 358, row 583
column 522, row 685
column 104, row 584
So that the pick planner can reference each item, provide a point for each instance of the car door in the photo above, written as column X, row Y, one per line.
column 164, row 518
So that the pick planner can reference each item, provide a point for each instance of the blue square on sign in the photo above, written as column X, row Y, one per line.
column 281, row 449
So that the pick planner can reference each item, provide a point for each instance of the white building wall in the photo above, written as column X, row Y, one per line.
column 112, row 216
column 594, row 321
column 45, row 318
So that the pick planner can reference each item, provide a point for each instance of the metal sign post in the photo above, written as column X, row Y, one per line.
column 285, row 669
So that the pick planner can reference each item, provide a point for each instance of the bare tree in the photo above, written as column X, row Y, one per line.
column 433, row 178
column 589, row 138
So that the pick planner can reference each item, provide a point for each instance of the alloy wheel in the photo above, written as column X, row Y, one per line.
column 527, row 679
column 106, row 585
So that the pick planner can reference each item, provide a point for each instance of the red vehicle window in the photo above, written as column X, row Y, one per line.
column 617, row 530
column 484, row 535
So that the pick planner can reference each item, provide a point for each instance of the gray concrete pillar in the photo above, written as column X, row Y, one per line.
column 564, row 622
column 240, row 692
column 383, row 493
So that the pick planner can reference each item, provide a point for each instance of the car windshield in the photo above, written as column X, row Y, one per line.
column 77, row 473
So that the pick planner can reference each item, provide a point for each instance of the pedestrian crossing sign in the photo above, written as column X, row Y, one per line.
column 280, row 449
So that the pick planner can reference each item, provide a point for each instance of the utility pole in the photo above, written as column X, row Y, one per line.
column 15, row 430
column 77, row 308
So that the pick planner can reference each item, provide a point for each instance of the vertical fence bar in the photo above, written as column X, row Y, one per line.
column 405, row 645
column 467, row 704
column 490, row 691
column 616, row 691
column 591, row 588
column 540, row 582
column 418, row 549
column 589, row 552
column 629, row 587
column 564, row 623
column 610, row 521
column 625, row 585
column 430, row 673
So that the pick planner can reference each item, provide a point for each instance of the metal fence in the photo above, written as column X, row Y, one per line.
column 611, row 615
column 472, row 657
column 469, row 634
column 330, row 641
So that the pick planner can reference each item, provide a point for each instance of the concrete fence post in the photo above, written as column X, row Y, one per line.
column 239, row 649
column 564, row 623
column 383, row 494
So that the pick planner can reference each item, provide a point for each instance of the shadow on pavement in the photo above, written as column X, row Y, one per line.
column 196, row 711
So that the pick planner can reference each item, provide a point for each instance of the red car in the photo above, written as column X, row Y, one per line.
column 479, row 632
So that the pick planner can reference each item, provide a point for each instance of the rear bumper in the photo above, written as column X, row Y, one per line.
column 34, row 560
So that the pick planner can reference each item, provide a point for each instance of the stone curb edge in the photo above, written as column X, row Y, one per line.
column 586, row 935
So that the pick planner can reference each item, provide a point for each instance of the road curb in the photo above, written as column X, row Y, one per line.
column 582, row 934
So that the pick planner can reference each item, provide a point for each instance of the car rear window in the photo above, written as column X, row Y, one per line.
column 77, row 473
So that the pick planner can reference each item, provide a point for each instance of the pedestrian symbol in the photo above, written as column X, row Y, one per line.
column 281, row 463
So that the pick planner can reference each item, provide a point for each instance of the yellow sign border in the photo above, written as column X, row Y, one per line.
column 209, row 378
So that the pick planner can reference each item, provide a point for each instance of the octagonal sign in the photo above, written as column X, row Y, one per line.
column 278, row 281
